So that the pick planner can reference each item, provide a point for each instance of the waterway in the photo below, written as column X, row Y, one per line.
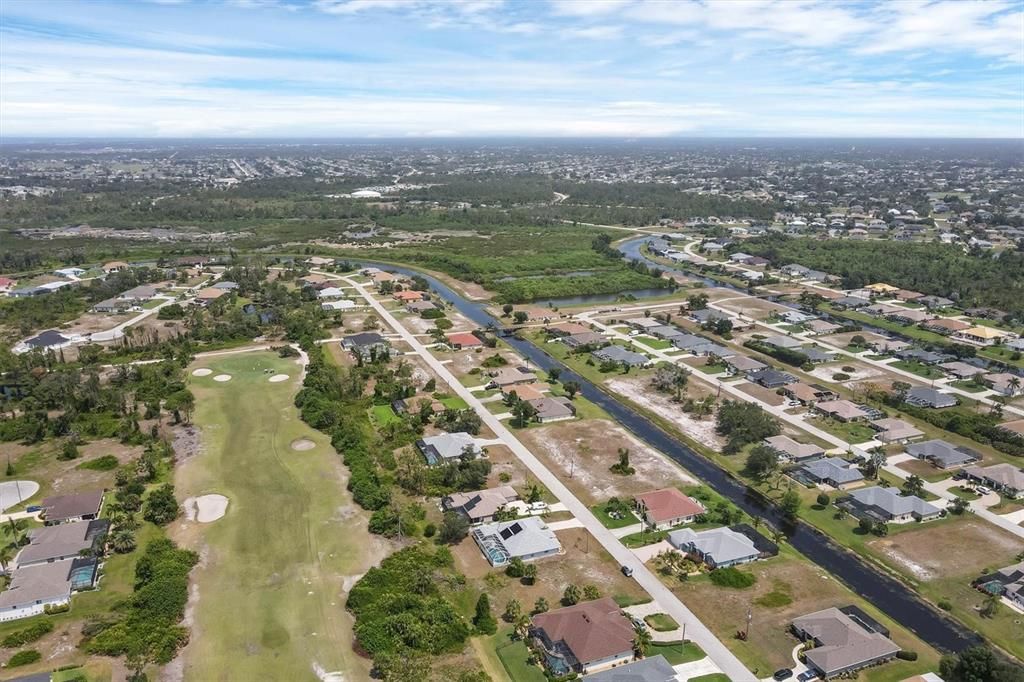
column 888, row 594
column 595, row 299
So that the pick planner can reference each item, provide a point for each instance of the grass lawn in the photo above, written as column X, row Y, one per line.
column 644, row 538
column 964, row 493
column 713, row 677
column 969, row 386
column 149, row 305
column 662, row 622
column 918, row 368
column 270, row 600
column 676, row 653
column 651, row 342
column 851, row 432
column 712, row 369
column 383, row 415
column 609, row 522
column 454, row 402
column 514, row 656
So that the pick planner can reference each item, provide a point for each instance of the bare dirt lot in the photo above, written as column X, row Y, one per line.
column 94, row 322
column 56, row 477
column 750, row 307
column 962, row 548
column 587, row 448
column 638, row 391
column 763, row 394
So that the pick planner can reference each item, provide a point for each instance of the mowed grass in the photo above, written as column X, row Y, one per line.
column 271, row 598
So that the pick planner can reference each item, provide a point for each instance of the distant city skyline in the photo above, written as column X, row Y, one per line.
column 487, row 68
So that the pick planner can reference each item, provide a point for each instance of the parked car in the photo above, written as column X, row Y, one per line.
column 627, row 571
column 538, row 506
column 982, row 490
column 807, row 675
column 783, row 674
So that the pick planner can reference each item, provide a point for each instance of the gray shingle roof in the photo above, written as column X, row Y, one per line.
column 892, row 503
column 723, row 545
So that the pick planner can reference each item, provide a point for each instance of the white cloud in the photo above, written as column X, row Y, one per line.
column 594, row 32
column 586, row 8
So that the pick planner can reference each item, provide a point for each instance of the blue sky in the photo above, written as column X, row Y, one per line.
column 562, row 68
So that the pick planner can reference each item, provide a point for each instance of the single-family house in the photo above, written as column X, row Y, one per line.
column 112, row 306
column 831, row 471
column 716, row 547
column 339, row 304
column 330, row 292
column 48, row 339
column 821, row 327
column 841, row 410
column 651, row 669
column 115, row 266
column 791, row 450
column 926, row 396
column 208, row 294
column 960, row 370
column 6, row 284
column 509, row 376
column 808, row 394
column 620, row 355
column 664, row 331
column 447, row 447
column 888, row 505
column 740, row 257
column 942, row 454
column 892, row 430
column 909, row 316
column 795, row 270
column 419, row 307
column 1006, row 582
column 666, row 508
column 983, row 336
column 407, row 295
column 70, row 273
column 584, row 638
column 480, row 506
column 567, row 329
column 63, row 541
column 527, row 539
column 925, row 357
column 587, row 339
column 843, row 644
column 549, row 409
column 226, row 285
column 522, row 391
column 34, row 588
column 945, row 325
column 741, row 364
column 851, row 302
column 779, row 341
column 771, row 378
column 1005, row 478
column 795, row 317
column 935, row 302
column 708, row 315
column 1005, row 383
column 460, row 340
column 367, row 345
column 67, row 508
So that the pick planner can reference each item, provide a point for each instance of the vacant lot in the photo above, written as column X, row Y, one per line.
column 269, row 595
column 581, row 452
column 959, row 549
column 765, row 395
column 639, row 391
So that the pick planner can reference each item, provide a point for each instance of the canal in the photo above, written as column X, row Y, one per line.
column 888, row 594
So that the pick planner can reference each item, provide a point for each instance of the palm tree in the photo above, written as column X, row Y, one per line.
column 1014, row 385
column 6, row 556
column 123, row 541
column 642, row 641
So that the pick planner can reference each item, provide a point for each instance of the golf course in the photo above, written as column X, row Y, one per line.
column 268, row 598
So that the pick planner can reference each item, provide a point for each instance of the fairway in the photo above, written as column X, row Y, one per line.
column 271, row 585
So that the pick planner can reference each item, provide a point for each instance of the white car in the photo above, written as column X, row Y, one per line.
column 981, row 490
column 634, row 332
column 538, row 506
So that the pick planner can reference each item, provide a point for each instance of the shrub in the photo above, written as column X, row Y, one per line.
column 26, row 657
column 104, row 463
column 840, row 376
column 429, row 530
column 26, row 635
column 732, row 577
column 906, row 655
column 849, row 368
column 945, row 605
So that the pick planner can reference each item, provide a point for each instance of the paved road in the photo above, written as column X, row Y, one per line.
column 695, row 629
column 797, row 420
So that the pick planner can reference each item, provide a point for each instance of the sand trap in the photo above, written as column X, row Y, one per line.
column 301, row 444
column 202, row 372
column 222, row 378
column 15, row 492
column 205, row 508
column 278, row 378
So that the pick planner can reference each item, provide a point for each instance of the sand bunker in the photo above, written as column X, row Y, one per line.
column 278, row 378
column 222, row 377
column 202, row 372
column 301, row 444
column 205, row 508
column 15, row 492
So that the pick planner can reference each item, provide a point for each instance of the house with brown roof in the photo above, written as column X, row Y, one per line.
column 114, row 266
column 667, row 508
column 584, row 638
column 407, row 295
column 793, row 451
column 945, row 325
column 843, row 643
column 841, row 410
column 891, row 430
column 460, row 340
column 1004, row 477
column 78, row 507
column 567, row 329
column 808, row 394
column 480, row 506
column 205, row 296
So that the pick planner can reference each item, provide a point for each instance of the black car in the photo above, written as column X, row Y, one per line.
column 783, row 674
